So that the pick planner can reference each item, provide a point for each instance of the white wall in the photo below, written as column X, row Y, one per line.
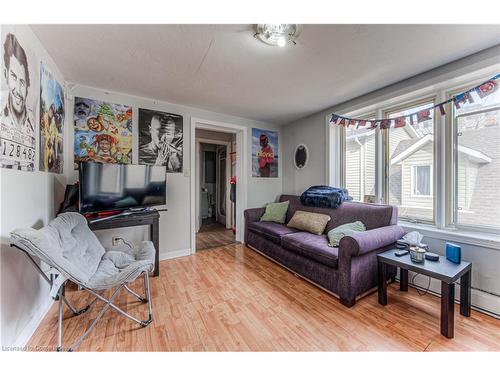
column 313, row 132
column 175, row 228
column 28, row 199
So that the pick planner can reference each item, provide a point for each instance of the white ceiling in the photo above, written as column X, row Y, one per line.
column 223, row 68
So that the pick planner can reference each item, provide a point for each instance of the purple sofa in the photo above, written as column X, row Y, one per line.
column 348, row 271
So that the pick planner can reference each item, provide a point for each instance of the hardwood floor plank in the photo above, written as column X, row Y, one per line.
column 234, row 299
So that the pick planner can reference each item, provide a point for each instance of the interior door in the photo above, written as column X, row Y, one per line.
column 221, row 187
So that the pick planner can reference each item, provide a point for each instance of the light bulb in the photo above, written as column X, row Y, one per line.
column 281, row 41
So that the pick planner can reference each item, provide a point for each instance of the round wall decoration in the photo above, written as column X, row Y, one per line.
column 301, row 156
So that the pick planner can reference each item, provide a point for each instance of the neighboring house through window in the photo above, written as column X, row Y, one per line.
column 359, row 162
column 411, row 153
column 476, row 152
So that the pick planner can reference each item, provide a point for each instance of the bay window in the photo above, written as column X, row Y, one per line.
column 441, row 169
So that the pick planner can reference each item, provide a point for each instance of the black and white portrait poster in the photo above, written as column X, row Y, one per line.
column 160, row 139
column 19, row 99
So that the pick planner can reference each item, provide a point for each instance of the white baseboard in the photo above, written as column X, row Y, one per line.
column 175, row 254
column 30, row 328
column 481, row 301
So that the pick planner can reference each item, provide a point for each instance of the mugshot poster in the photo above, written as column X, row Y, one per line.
column 160, row 139
column 264, row 153
column 103, row 132
column 19, row 99
column 51, row 122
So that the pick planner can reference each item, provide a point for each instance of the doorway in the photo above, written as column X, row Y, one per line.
column 216, row 219
column 217, row 149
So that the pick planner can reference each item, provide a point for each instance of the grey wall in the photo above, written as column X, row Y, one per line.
column 312, row 131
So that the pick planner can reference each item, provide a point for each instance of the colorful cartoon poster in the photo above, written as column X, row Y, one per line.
column 264, row 153
column 51, row 122
column 160, row 139
column 103, row 132
column 19, row 99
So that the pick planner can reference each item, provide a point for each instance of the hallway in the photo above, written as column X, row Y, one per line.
column 213, row 234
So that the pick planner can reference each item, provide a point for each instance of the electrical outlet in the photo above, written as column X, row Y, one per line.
column 115, row 240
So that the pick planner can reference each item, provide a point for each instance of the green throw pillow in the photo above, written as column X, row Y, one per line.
column 276, row 212
column 336, row 234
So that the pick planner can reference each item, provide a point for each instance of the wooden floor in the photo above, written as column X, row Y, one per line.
column 213, row 234
column 233, row 299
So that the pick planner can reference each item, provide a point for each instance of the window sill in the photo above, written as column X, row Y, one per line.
column 489, row 240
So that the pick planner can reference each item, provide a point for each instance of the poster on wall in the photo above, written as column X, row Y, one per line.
column 103, row 132
column 264, row 153
column 160, row 139
column 19, row 98
column 51, row 122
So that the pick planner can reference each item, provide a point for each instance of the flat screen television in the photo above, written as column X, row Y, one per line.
column 109, row 187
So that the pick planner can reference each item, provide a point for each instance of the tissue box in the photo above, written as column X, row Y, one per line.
column 453, row 253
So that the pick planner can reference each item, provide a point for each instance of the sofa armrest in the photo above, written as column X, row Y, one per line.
column 364, row 242
column 254, row 214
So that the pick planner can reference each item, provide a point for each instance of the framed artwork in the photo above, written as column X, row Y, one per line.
column 103, row 132
column 19, row 99
column 161, row 139
column 51, row 122
column 265, row 151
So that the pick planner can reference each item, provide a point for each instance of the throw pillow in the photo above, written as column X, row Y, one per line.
column 336, row 234
column 309, row 221
column 276, row 212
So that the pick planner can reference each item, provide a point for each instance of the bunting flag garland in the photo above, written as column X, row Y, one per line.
column 482, row 91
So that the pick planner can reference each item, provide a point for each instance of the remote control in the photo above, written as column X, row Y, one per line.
column 401, row 253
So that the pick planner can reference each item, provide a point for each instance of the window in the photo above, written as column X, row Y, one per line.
column 476, row 152
column 359, row 162
column 410, row 157
column 455, row 156
column 421, row 183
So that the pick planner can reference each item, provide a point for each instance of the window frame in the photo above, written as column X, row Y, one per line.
column 451, row 159
column 387, row 111
column 438, row 87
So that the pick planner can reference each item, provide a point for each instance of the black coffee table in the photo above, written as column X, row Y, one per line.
column 444, row 270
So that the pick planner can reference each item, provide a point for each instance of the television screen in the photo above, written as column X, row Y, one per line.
column 107, row 187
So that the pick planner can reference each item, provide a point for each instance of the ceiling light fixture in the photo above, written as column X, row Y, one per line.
column 277, row 34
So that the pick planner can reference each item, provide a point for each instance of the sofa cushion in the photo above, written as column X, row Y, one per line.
column 312, row 246
column 275, row 212
column 309, row 221
column 271, row 231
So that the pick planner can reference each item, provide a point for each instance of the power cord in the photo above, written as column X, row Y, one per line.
column 418, row 290
column 124, row 242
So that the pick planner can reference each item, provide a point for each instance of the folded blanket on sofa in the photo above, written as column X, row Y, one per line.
column 324, row 196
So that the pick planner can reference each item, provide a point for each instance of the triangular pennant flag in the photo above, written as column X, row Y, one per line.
column 423, row 115
column 334, row 119
column 399, row 122
column 351, row 122
column 462, row 99
column 384, row 124
column 342, row 122
column 441, row 109
column 411, row 119
column 361, row 123
column 486, row 89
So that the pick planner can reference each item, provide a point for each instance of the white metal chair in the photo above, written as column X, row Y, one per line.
column 73, row 252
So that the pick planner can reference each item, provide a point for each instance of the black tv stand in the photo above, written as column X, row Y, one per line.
column 131, row 219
